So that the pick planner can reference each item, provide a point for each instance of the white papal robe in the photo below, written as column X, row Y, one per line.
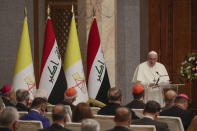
column 146, row 74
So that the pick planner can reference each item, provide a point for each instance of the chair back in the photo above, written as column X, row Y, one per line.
column 69, row 110
column 142, row 127
column 25, row 125
column 49, row 116
column 95, row 110
column 106, row 122
column 50, row 108
column 73, row 126
column 22, row 113
column 139, row 112
column 174, row 123
column 193, row 124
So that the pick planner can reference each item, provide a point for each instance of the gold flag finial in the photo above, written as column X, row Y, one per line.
column 72, row 10
column 48, row 11
column 25, row 12
column 94, row 12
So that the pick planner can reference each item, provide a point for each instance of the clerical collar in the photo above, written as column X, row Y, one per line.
column 149, row 117
column 62, row 125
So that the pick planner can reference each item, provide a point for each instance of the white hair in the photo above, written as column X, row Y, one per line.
column 8, row 116
column 152, row 52
column 41, row 93
column 90, row 125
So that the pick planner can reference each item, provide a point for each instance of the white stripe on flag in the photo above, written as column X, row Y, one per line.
column 25, row 80
column 97, row 73
column 51, row 70
column 75, row 78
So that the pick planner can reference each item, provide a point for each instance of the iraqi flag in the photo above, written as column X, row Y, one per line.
column 73, row 65
column 23, row 71
column 52, row 78
column 98, row 81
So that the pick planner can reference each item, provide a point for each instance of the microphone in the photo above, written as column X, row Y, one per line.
column 157, row 79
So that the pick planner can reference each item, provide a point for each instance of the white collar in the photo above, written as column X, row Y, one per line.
column 149, row 117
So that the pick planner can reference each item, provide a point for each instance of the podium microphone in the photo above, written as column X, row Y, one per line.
column 157, row 79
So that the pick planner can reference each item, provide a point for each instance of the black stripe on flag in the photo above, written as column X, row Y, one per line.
column 103, row 91
column 57, row 94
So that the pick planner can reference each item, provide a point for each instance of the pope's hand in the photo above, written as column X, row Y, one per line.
column 151, row 84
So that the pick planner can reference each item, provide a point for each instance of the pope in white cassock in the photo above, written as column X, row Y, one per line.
column 150, row 73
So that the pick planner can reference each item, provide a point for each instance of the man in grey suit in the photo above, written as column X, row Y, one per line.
column 151, row 111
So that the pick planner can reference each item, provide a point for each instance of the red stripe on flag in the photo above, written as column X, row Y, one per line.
column 48, row 43
column 93, row 46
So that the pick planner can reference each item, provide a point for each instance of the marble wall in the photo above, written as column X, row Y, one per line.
column 123, row 31
column 105, row 11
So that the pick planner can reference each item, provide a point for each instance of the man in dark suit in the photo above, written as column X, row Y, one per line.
column 170, row 96
column 22, row 97
column 38, row 108
column 138, row 94
column 9, row 119
column 180, row 110
column 115, row 99
column 151, row 112
column 69, row 97
column 122, row 119
column 59, row 119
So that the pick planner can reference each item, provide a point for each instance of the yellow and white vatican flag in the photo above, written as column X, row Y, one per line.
column 73, row 67
column 23, row 71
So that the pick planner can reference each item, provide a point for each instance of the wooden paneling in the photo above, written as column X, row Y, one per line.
column 181, row 35
column 194, row 47
column 172, row 33
column 154, row 25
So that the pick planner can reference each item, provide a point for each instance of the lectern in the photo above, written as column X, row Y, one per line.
column 156, row 93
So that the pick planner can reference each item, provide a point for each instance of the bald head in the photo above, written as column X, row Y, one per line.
column 152, row 58
column 123, row 115
column 59, row 113
column 114, row 94
column 170, row 95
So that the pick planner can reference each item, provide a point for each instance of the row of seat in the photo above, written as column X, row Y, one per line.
column 106, row 122
column 35, row 125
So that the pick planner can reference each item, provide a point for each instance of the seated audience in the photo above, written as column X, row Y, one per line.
column 81, row 111
column 59, row 119
column 69, row 97
column 122, row 119
column 151, row 111
column 170, row 96
column 138, row 94
column 22, row 97
column 115, row 99
column 38, row 108
column 90, row 125
column 9, row 119
column 2, row 105
column 8, row 95
column 180, row 110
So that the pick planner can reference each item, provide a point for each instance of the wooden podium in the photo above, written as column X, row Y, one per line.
column 156, row 93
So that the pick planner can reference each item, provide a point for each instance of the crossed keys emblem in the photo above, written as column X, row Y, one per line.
column 79, row 82
column 30, row 84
